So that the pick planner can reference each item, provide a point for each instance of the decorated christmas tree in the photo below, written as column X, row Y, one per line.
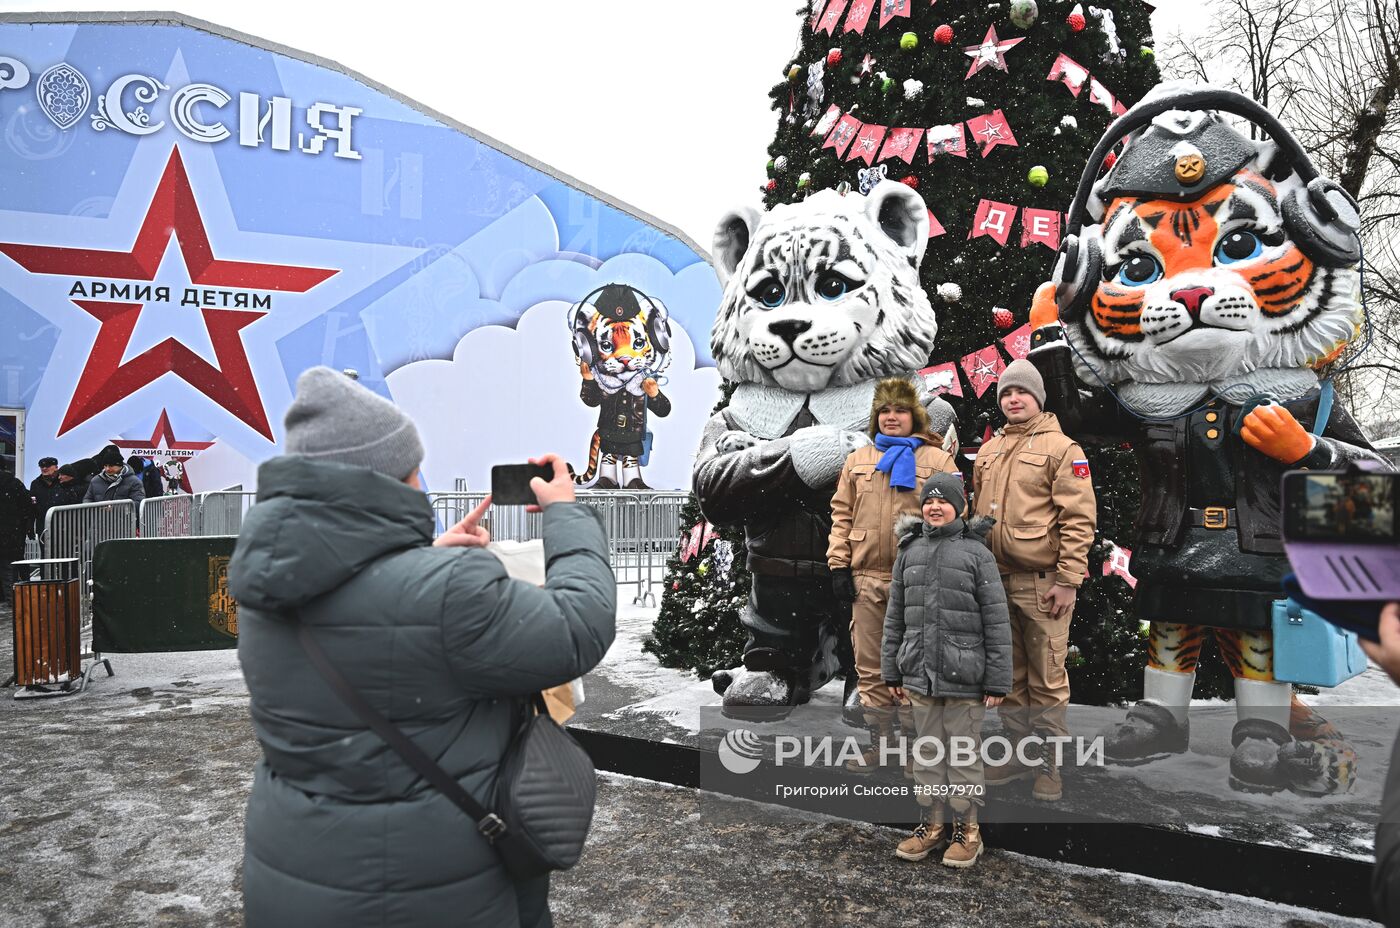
column 989, row 111
column 706, row 586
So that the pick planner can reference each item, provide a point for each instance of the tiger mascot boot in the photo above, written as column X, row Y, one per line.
column 1204, row 280
column 622, row 342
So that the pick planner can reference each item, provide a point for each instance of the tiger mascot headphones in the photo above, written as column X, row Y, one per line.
column 1321, row 217
column 618, row 303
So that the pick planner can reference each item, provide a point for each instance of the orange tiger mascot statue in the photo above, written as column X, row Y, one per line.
column 1202, row 282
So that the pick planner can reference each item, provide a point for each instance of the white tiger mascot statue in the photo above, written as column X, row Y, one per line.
column 822, row 299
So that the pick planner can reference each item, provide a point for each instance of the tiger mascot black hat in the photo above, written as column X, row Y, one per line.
column 1187, row 154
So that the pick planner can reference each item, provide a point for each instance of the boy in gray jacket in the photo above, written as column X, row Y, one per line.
column 947, row 648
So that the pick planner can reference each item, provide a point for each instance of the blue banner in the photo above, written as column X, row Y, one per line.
column 190, row 220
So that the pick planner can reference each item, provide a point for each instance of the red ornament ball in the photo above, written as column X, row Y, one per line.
column 943, row 35
column 771, row 186
column 833, row 57
column 910, row 181
column 1109, row 160
column 675, row 585
column 1076, row 22
column 1003, row 319
column 1126, row 446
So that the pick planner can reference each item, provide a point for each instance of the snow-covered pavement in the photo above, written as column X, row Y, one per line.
column 124, row 806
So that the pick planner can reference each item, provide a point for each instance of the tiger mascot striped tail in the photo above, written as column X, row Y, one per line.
column 588, row 476
column 1204, row 280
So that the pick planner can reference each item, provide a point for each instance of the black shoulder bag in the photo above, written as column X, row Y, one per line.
column 545, row 788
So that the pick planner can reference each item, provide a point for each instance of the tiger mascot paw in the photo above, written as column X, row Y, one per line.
column 735, row 440
column 1272, row 430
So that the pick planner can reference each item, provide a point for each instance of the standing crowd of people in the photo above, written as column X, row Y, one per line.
column 955, row 608
column 104, row 477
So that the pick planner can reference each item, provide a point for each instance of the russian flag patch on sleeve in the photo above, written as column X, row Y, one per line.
column 1081, row 468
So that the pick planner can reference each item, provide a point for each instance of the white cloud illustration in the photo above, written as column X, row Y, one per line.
column 510, row 394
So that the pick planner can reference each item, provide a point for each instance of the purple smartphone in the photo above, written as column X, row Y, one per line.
column 1339, row 530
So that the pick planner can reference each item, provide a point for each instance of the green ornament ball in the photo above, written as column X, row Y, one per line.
column 887, row 84
column 1147, row 52
column 909, row 41
column 804, row 180
column 1038, row 176
column 703, row 569
column 794, row 72
column 770, row 165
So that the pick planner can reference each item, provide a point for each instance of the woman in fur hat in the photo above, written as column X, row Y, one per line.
column 879, row 483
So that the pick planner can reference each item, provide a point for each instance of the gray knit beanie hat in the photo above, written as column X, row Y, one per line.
column 947, row 487
column 1022, row 373
column 333, row 418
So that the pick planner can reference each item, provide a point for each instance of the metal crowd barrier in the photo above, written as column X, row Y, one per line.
column 183, row 516
column 643, row 529
column 73, row 532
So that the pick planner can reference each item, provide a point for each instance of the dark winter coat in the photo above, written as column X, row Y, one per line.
column 151, row 481
column 1191, row 463
column 1385, row 876
column 48, row 494
column 126, row 486
column 947, row 629
column 340, row 831
column 622, row 417
column 16, row 518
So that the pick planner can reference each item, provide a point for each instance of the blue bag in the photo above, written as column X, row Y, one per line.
column 1309, row 649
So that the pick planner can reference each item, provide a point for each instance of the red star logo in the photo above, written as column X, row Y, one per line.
column 164, row 438
column 105, row 379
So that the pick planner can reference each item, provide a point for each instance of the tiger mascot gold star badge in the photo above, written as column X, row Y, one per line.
column 821, row 301
column 1206, row 280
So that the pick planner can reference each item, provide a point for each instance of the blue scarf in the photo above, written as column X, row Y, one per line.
column 898, row 460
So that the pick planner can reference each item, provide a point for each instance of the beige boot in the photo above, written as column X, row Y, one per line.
column 869, row 760
column 927, row 838
column 965, row 845
column 1008, row 772
column 1048, row 786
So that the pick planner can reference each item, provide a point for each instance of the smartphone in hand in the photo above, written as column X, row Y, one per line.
column 510, row 483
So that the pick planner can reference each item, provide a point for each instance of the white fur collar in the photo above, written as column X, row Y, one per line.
column 767, row 412
column 1173, row 399
column 612, row 384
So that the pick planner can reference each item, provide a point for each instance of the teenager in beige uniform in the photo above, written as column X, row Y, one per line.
column 862, row 549
column 1035, row 482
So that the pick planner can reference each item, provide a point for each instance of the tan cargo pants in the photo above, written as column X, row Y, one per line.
column 1039, row 683
column 941, row 719
column 867, row 631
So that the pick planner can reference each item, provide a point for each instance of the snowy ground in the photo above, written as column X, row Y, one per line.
column 124, row 806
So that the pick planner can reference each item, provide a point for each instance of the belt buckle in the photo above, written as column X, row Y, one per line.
column 622, row 421
column 1216, row 517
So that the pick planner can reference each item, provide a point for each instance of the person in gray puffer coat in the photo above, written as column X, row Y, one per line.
column 114, row 481
column 947, row 648
column 340, row 831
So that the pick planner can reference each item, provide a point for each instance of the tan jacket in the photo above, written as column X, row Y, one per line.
column 1026, row 478
column 865, row 507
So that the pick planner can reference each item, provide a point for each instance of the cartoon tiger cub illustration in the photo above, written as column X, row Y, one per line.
column 622, row 340
column 1208, row 278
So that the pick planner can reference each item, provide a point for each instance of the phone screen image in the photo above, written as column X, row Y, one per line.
column 510, row 483
column 1345, row 507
